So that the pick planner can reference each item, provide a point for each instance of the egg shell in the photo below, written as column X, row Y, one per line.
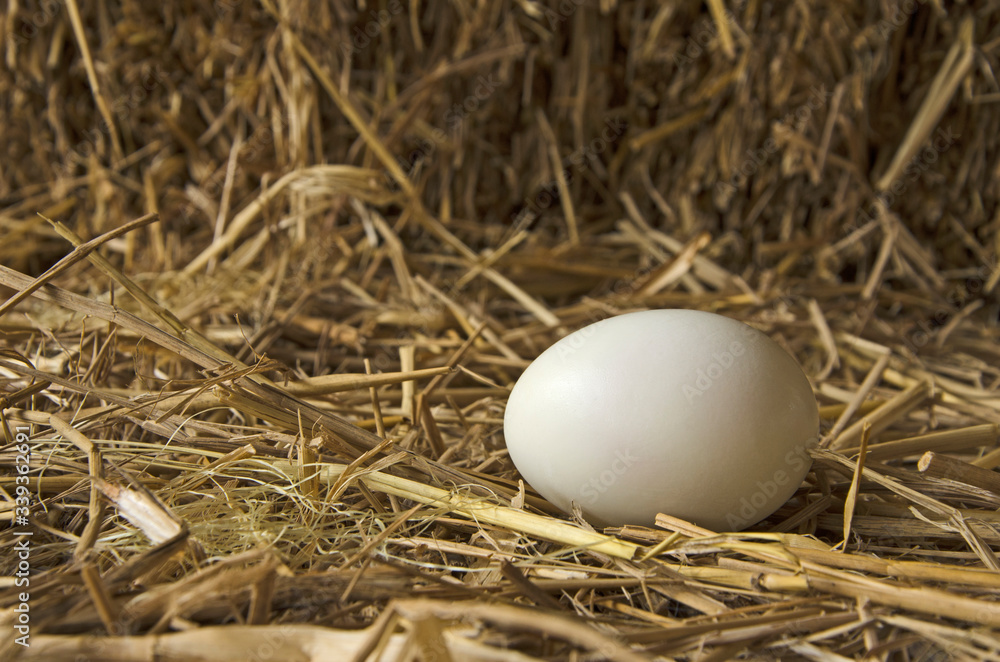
column 683, row 412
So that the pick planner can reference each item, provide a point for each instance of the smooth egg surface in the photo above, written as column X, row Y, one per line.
column 681, row 412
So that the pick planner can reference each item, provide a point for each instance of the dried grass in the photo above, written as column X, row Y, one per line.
column 299, row 252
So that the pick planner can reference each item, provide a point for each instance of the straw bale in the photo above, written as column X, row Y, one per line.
column 270, row 269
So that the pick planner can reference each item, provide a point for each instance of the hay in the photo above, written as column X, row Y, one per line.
column 300, row 252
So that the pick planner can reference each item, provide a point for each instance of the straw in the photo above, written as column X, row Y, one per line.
column 271, row 271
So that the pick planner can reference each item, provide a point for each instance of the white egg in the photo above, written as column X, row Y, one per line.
column 682, row 412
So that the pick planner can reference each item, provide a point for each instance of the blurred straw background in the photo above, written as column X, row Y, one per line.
column 270, row 269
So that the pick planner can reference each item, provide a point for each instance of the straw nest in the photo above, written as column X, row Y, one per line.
column 271, row 269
